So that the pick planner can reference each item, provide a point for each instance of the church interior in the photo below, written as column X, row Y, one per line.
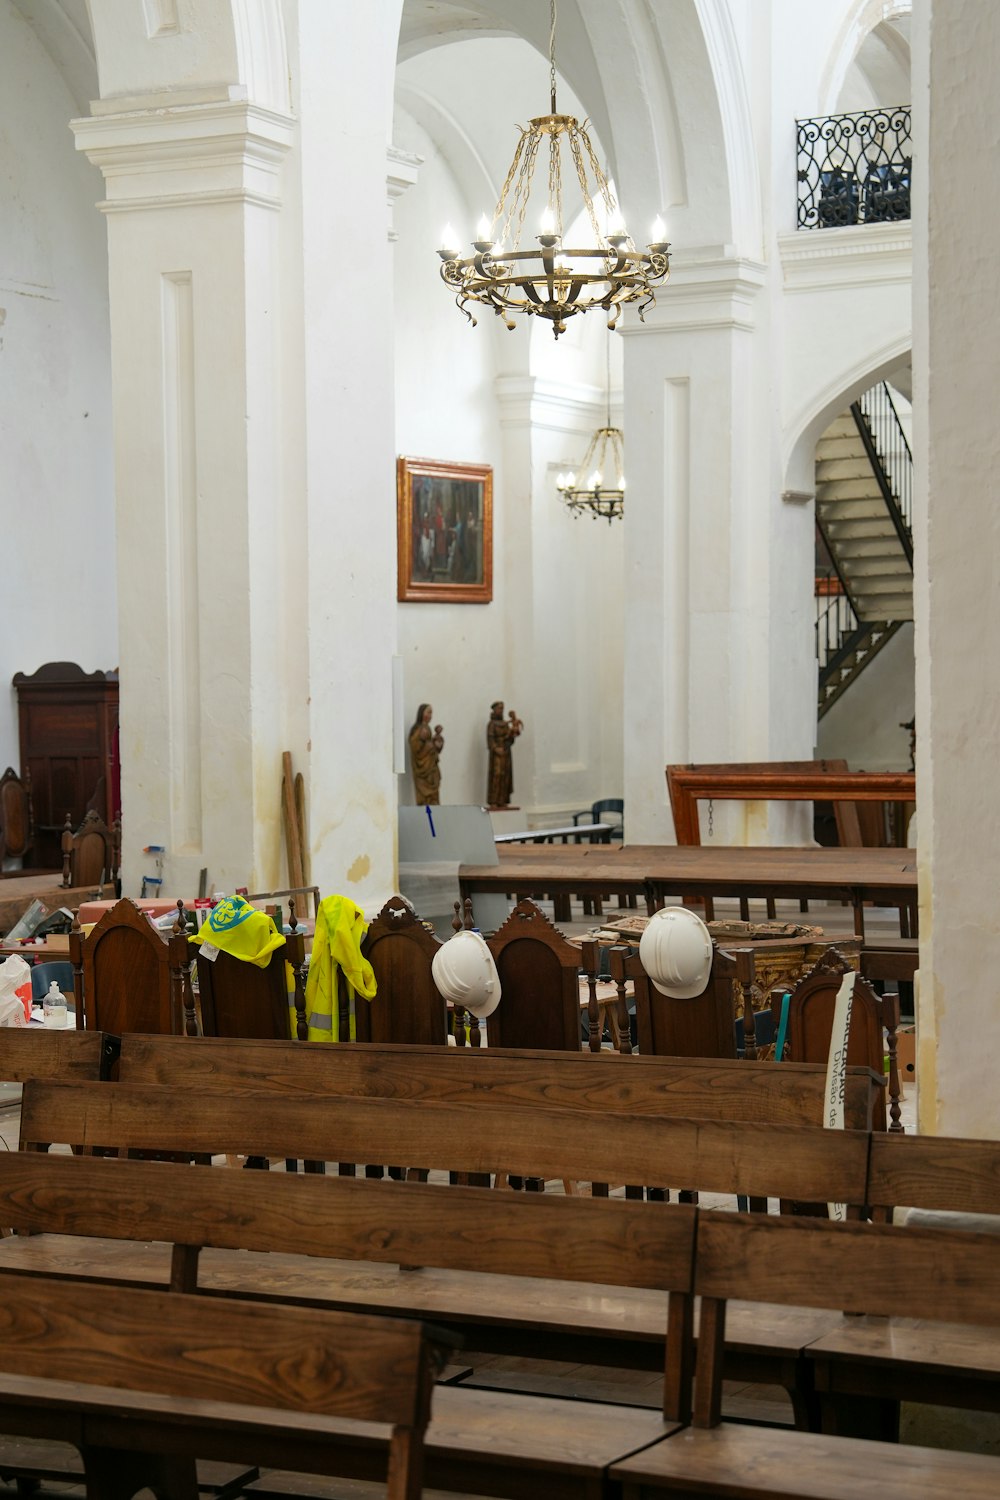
column 511, row 475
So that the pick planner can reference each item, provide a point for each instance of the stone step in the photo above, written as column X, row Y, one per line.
column 851, row 489
column 832, row 509
column 851, row 546
column 896, row 607
column 842, row 426
column 896, row 570
column 850, row 466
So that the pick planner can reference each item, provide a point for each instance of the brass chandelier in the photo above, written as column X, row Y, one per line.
column 605, row 456
column 554, row 282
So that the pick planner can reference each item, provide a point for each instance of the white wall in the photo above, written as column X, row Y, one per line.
column 454, row 655
column 863, row 727
column 56, row 481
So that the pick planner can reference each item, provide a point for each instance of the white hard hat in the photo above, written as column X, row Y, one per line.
column 465, row 974
column 676, row 952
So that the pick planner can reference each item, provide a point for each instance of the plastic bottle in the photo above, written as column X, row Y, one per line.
column 54, row 1007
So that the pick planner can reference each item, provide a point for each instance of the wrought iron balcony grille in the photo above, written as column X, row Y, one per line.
column 854, row 169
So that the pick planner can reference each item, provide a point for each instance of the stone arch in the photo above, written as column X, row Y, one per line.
column 844, row 386
column 238, row 49
column 864, row 17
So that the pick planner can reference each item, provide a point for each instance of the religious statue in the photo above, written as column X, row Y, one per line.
column 426, row 745
column 500, row 735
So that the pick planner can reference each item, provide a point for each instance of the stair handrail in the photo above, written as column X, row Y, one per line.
column 878, row 418
column 831, row 626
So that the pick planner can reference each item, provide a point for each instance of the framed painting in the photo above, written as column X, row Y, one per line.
column 444, row 532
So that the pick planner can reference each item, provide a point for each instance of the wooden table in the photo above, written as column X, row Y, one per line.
column 885, row 877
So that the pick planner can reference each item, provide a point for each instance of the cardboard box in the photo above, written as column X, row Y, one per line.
column 906, row 1054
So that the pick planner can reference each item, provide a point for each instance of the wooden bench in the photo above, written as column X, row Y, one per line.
column 143, row 1382
column 239, row 1227
column 692, row 1088
column 878, row 1269
column 780, row 1161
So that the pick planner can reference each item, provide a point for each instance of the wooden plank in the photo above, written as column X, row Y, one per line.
column 300, row 823
column 289, row 1358
column 293, row 843
column 739, row 1461
column 936, row 1172
column 398, row 1223
column 34, row 1053
column 859, row 1268
column 766, row 1161
column 694, row 1088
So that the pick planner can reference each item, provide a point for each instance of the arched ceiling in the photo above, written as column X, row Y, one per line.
column 63, row 28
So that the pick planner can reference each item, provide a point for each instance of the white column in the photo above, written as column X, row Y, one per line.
column 193, row 193
column 956, row 52
column 708, row 649
column 344, row 61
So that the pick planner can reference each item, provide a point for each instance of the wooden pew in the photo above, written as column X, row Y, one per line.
column 872, row 1366
column 240, row 1225
column 781, row 1161
column 143, row 1382
column 862, row 1268
column 693, row 1088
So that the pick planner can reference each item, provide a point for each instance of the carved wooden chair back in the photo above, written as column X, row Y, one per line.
column 126, row 977
column 539, row 983
column 17, row 823
column 699, row 1027
column 241, row 999
column 407, row 1006
column 810, row 1026
column 91, row 854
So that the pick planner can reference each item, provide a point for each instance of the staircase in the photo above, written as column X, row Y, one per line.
column 863, row 514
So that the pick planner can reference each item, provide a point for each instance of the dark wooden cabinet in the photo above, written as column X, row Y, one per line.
column 69, row 743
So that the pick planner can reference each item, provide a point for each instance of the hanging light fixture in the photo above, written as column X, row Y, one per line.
column 603, row 460
column 554, row 281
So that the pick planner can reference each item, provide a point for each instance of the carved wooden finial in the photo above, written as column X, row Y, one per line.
column 469, row 923
column 67, row 849
column 456, row 921
column 180, row 921
column 292, row 920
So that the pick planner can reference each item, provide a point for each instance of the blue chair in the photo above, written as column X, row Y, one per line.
column 613, row 805
column 42, row 976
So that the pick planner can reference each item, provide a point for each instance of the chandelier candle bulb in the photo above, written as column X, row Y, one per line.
column 450, row 247
column 658, row 232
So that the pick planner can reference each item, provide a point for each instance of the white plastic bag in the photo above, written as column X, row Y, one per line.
column 15, row 992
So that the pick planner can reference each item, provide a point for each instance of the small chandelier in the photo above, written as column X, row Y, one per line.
column 554, row 281
column 605, row 455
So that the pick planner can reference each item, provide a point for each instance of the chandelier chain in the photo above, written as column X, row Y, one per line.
column 581, row 172
column 555, row 183
column 552, row 54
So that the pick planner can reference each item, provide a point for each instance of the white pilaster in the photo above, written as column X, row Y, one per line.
column 192, row 194
column 712, row 641
column 956, row 50
column 344, row 61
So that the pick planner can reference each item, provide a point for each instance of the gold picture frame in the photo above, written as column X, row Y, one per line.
column 444, row 532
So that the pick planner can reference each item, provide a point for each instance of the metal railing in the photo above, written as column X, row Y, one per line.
column 835, row 616
column 854, row 169
column 892, row 456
